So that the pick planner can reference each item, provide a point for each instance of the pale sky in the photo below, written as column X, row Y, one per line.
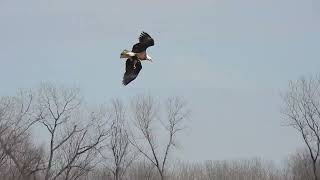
column 229, row 59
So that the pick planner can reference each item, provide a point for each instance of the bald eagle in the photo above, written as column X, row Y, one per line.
column 135, row 56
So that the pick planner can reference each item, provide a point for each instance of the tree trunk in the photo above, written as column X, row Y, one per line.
column 314, row 167
column 162, row 176
column 116, row 174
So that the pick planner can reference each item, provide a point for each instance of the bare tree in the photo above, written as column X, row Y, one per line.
column 145, row 114
column 299, row 166
column 72, row 140
column 119, row 152
column 16, row 121
column 302, row 109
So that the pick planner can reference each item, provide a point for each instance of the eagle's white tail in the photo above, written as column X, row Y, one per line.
column 127, row 54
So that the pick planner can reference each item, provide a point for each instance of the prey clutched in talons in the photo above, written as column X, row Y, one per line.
column 134, row 64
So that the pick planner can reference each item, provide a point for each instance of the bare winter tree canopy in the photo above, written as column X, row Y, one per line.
column 133, row 140
column 146, row 112
column 118, row 148
column 74, row 134
column 74, row 139
column 302, row 110
column 16, row 119
column 79, row 139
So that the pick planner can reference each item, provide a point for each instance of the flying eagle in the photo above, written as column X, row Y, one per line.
column 135, row 56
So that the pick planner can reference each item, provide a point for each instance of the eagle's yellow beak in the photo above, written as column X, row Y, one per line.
column 149, row 58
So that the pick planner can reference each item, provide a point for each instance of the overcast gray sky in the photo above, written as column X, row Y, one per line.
column 228, row 58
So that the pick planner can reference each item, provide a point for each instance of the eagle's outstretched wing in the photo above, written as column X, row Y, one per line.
column 131, row 72
column 145, row 41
